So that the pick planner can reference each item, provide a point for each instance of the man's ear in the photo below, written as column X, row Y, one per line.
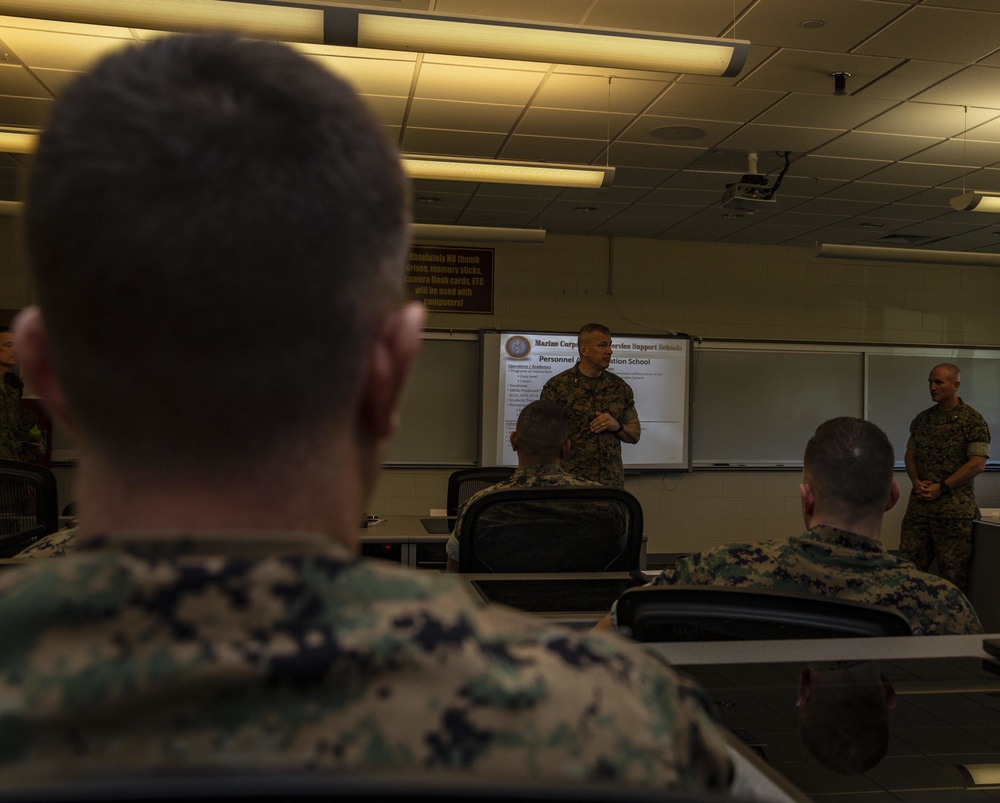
column 513, row 440
column 35, row 356
column 808, row 500
column 390, row 359
column 893, row 496
column 564, row 449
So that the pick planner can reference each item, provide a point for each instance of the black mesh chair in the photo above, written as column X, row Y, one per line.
column 466, row 482
column 28, row 505
column 552, row 529
column 721, row 613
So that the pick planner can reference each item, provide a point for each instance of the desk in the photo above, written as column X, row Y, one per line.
column 946, row 717
column 409, row 533
column 860, row 649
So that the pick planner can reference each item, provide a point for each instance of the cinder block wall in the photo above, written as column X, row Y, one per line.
column 721, row 291
column 708, row 290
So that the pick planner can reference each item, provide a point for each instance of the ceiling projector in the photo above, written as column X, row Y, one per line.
column 752, row 190
column 747, row 196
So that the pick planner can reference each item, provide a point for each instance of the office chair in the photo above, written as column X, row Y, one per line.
column 28, row 505
column 723, row 613
column 466, row 482
column 552, row 529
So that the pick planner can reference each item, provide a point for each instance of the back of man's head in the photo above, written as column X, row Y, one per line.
column 542, row 429
column 217, row 227
column 849, row 464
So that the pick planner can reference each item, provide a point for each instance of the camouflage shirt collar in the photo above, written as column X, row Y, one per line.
column 601, row 377
column 227, row 543
column 836, row 536
column 538, row 471
column 935, row 410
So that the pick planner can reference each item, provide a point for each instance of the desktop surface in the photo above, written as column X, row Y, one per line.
column 437, row 525
column 945, row 726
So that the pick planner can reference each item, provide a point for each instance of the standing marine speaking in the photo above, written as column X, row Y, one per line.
column 601, row 410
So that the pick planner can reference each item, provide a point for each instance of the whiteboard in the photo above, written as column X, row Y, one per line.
column 755, row 405
column 439, row 413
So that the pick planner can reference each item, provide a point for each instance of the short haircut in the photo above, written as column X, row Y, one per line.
column 849, row 463
column 216, row 227
column 589, row 329
column 542, row 428
column 951, row 368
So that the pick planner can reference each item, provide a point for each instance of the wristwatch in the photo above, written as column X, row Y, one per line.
column 944, row 487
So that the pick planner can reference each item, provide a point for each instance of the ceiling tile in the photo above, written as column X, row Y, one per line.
column 891, row 147
column 463, row 116
column 845, row 23
column 937, row 34
column 713, row 102
column 823, row 111
column 927, row 120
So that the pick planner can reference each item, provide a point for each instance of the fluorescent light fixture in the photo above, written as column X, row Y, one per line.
column 266, row 21
column 17, row 142
column 484, row 37
column 977, row 201
column 10, row 208
column 478, row 234
column 457, row 168
column 882, row 253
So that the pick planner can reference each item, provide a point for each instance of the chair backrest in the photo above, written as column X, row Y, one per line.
column 466, row 482
column 28, row 505
column 591, row 528
column 722, row 613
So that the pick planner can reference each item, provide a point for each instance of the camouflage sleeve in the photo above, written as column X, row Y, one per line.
column 50, row 546
column 978, row 437
column 630, row 411
column 550, row 391
column 700, row 568
column 966, row 620
column 933, row 608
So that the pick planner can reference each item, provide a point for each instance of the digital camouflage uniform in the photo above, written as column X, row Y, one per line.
column 944, row 440
column 594, row 455
column 282, row 652
column 527, row 477
column 50, row 546
column 14, row 424
column 833, row 563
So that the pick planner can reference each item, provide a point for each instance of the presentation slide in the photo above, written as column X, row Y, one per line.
column 517, row 364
